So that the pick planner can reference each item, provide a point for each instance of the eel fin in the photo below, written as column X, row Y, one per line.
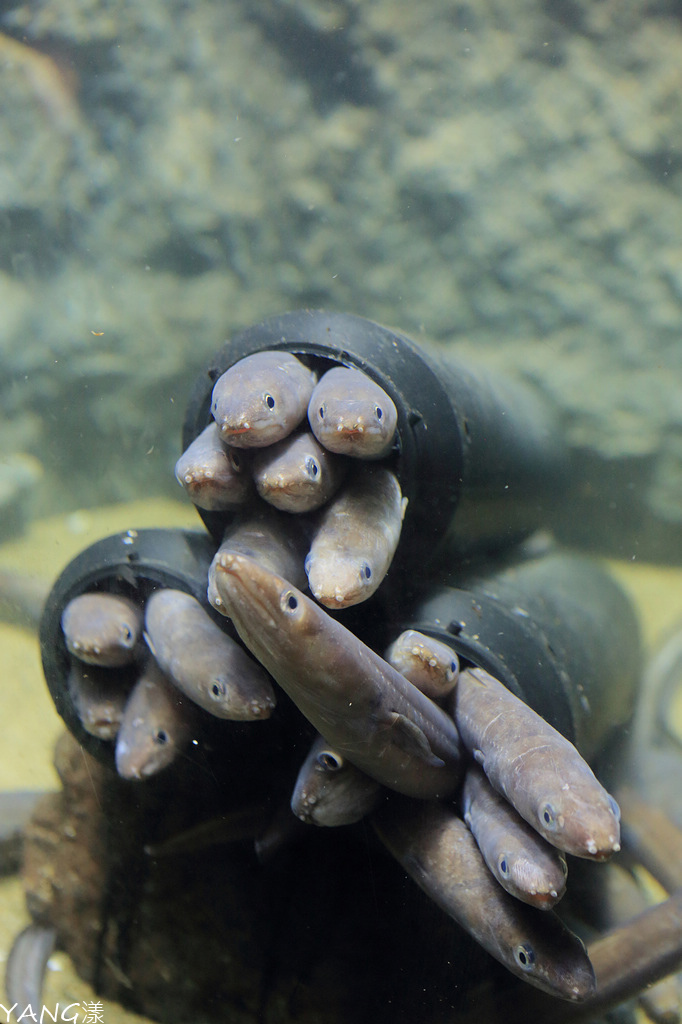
column 410, row 738
column 149, row 643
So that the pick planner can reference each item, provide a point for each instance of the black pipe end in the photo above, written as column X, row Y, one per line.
column 133, row 564
column 428, row 453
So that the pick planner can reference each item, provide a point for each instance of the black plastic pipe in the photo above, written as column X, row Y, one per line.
column 131, row 564
column 480, row 458
column 556, row 629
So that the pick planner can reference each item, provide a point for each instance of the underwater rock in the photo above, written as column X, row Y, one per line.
column 500, row 179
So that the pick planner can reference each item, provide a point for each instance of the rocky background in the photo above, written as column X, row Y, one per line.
column 500, row 177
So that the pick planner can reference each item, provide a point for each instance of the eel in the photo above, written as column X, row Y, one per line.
column 537, row 769
column 207, row 665
column 102, row 629
column 99, row 696
column 261, row 399
column 438, row 851
column 352, row 415
column 26, row 966
column 522, row 862
column 277, row 542
column 214, row 477
column 330, row 791
column 368, row 711
column 233, row 826
column 428, row 663
column 626, row 960
column 297, row 474
column 356, row 538
column 156, row 725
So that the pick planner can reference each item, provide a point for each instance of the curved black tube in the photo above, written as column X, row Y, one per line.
column 480, row 458
column 556, row 629
column 132, row 563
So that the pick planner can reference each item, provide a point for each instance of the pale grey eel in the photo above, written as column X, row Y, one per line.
column 536, row 768
column 352, row 415
column 440, row 854
column 261, row 399
column 367, row 710
column 25, row 970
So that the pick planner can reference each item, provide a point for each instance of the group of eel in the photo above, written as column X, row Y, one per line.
column 474, row 794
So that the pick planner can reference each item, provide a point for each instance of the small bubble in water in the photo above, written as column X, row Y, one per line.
column 130, row 536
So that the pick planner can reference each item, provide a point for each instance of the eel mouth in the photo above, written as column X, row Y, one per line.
column 233, row 565
column 253, row 595
column 229, row 431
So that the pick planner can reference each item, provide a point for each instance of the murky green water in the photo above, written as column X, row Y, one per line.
column 502, row 182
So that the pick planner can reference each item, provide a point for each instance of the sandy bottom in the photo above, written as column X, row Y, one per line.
column 29, row 724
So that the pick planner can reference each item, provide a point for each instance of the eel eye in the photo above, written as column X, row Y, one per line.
column 235, row 460
column 312, row 467
column 378, row 412
column 269, row 401
column 548, row 816
column 366, row 572
column 161, row 737
column 504, row 867
column 218, row 689
column 524, row 956
column 289, row 601
column 321, row 411
column 127, row 634
column 614, row 807
column 330, row 761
